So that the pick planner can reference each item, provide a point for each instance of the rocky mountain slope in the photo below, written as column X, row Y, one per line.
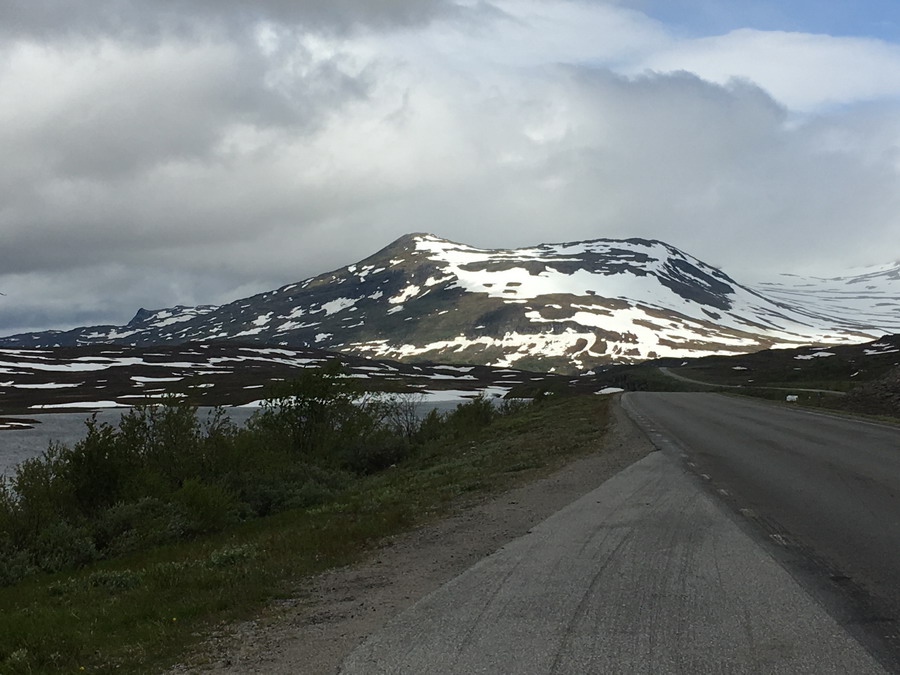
column 555, row 306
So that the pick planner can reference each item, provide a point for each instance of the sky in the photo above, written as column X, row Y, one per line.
column 165, row 153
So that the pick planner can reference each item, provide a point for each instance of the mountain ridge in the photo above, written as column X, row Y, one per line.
column 567, row 306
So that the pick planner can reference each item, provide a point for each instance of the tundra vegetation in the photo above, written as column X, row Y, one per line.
column 118, row 552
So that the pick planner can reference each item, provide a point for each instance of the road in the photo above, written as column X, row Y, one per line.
column 669, row 373
column 825, row 489
column 655, row 571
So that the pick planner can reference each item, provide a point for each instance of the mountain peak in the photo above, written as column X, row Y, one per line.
column 561, row 306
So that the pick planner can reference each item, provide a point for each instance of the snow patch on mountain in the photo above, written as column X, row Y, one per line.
column 867, row 296
column 565, row 306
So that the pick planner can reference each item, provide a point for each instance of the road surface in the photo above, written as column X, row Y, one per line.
column 825, row 489
column 653, row 572
column 676, row 376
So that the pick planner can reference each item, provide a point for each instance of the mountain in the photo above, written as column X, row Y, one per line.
column 869, row 296
column 561, row 307
column 93, row 377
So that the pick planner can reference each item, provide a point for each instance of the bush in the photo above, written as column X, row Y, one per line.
column 62, row 545
column 432, row 426
column 96, row 468
column 471, row 416
column 514, row 406
column 36, row 496
column 207, row 508
column 269, row 494
column 400, row 412
column 15, row 564
column 130, row 527
column 376, row 453
column 232, row 555
column 313, row 415
column 161, row 474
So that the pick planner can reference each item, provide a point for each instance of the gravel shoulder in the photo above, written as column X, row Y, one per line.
column 333, row 613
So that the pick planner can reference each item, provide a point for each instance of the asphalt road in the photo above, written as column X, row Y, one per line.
column 823, row 489
column 652, row 572
column 670, row 373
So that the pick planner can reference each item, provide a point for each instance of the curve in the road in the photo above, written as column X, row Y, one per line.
column 666, row 371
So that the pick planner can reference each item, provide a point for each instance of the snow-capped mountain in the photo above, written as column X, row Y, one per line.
column 554, row 306
column 868, row 296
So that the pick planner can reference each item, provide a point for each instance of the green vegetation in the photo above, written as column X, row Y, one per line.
column 119, row 552
column 854, row 379
column 648, row 377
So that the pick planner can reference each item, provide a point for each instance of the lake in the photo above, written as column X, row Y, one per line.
column 17, row 445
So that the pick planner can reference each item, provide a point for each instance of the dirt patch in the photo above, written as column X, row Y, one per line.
column 334, row 612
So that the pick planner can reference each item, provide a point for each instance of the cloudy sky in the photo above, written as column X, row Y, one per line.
column 198, row 151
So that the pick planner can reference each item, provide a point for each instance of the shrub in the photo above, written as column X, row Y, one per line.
column 15, row 563
column 232, row 555
column 164, row 440
column 161, row 474
column 96, row 468
column 514, row 406
column 467, row 417
column 268, row 496
column 400, row 412
column 37, row 495
column 314, row 414
column 62, row 545
column 206, row 508
column 432, row 426
column 129, row 527
column 376, row 453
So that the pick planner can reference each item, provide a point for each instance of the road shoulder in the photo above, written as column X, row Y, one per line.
column 333, row 613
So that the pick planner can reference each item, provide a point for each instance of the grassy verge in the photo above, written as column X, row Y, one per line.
column 833, row 405
column 137, row 613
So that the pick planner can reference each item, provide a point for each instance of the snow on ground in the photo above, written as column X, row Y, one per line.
column 637, row 342
column 863, row 296
column 881, row 348
column 410, row 291
column 15, row 425
column 338, row 305
column 80, row 405
column 640, row 282
column 435, row 395
column 43, row 385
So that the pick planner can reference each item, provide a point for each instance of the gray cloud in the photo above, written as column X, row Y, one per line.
column 184, row 171
column 148, row 21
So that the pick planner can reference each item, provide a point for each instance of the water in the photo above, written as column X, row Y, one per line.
column 17, row 445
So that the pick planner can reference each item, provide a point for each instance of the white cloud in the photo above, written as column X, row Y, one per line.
column 805, row 72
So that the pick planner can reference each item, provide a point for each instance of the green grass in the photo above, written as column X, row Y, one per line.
column 137, row 614
column 830, row 404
